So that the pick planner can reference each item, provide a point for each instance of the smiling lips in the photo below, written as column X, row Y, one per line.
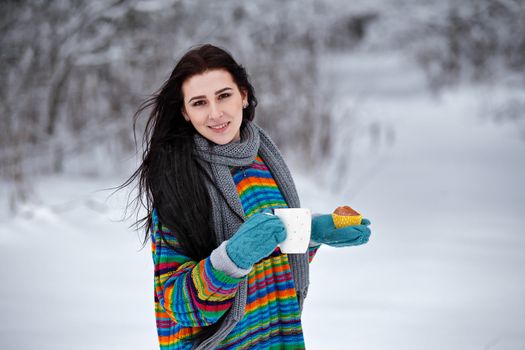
column 219, row 127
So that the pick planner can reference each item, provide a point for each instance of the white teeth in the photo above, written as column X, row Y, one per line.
column 219, row 126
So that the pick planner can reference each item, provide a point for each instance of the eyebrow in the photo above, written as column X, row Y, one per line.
column 216, row 93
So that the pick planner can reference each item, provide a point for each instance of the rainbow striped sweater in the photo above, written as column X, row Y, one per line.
column 190, row 294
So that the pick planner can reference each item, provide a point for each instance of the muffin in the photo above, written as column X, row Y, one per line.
column 346, row 216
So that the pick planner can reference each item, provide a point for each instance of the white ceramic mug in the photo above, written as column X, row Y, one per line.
column 298, row 224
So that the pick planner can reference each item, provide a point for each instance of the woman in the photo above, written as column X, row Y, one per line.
column 210, row 176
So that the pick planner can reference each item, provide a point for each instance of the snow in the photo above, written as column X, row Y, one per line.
column 444, row 268
column 73, row 274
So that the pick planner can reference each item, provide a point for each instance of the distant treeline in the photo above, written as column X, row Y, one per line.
column 74, row 72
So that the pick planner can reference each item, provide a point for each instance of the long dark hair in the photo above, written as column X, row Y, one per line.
column 169, row 178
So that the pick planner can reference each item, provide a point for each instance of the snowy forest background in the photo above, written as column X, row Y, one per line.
column 411, row 111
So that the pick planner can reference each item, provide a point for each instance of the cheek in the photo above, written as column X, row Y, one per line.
column 235, row 106
column 197, row 117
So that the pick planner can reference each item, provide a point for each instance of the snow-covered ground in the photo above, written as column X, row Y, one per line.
column 444, row 269
column 445, row 191
column 72, row 273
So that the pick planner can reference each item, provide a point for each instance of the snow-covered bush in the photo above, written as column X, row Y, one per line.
column 473, row 40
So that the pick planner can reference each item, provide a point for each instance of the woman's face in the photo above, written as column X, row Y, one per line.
column 213, row 103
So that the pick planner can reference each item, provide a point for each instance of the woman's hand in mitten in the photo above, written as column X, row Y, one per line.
column 256, row 239
column 324, row 231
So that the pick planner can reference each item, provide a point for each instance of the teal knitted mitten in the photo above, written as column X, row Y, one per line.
column 256, row 239
column 324, row 231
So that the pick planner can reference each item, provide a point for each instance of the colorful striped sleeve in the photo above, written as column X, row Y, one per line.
column 193, row 294
column 312, row 250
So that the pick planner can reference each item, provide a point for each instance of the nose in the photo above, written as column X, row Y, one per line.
column 215, row 112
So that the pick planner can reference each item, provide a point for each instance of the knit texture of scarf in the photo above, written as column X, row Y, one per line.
column 227, row 212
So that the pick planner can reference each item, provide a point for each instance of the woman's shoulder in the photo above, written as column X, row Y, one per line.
column 159, row 230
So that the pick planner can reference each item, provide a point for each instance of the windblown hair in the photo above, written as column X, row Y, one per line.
column 169, row 178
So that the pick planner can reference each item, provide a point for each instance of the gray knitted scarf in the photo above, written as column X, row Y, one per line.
column 228, row 214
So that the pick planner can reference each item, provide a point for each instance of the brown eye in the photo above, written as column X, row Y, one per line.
column 225, row 95
column 198, row 103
